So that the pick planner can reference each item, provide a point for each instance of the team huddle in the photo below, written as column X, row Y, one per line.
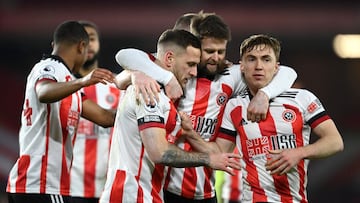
column 160, row 129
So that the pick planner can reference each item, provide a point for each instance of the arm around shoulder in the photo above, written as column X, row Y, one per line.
column 282, row 81
column 135, row 59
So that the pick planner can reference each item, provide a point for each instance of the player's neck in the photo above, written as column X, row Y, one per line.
column 84, row 71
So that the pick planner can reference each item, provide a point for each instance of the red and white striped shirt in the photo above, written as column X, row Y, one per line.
column 288, row 124
column 92, row 145
column 46, row 135
column 132, row 176
column 204, row 102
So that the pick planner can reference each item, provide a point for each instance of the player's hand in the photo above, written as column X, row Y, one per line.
column 186, row 123
column 98, row 75
column 146, row 86
column 283, row 161
column 225, row 161
column 173, row 89
column 258, row 107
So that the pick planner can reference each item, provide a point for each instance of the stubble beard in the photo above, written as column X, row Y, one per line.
column 90, row 62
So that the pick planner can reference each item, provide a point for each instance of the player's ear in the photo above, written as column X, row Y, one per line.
column 169, row 58
column 277, row 67
column 82, row 45
column 241, row 66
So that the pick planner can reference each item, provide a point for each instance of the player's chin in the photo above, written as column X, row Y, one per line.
column 212, row 68
column 90, row 56
column 184, row 82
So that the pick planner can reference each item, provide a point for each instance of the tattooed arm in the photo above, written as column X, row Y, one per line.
column 160, row 151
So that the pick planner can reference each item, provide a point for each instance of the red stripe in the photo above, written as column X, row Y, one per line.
column 157, row 176
column 23, row 165
column 253, row 179
column 319, row 120
column 228, row 91
column 208, row 171
column 201, row 97
column 235, row 183
column 171, row 121
column 90, row 152
column 226, row 137
column 297, row 130
column 167, row 178
column 207, row 186
column 281, row 183
column 90, row 167
column 151, row 125
column 199, row 109
column 235, row 186
column 116, row 94
column 65, row 108
column 44, row 161
column 117, row 189
column 140, row 195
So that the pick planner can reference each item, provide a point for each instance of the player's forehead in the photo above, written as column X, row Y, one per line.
column 213, row 42
column 192, row 54
column 260, row 50
column 91, row 31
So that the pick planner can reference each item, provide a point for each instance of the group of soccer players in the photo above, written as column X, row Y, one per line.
column 185, row 110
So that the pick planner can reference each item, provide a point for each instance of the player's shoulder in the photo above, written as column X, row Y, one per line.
column 234, row 67
column 296, row 93
column 242, row 97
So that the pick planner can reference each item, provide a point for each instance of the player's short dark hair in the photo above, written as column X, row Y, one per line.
column 210, row 25
column 181, row 38
column 70, row 32
column 90, row 24
column 251, row 42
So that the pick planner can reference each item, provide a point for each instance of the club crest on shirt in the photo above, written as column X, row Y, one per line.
column 110, row 99
column 221, row 99
column 289, row 115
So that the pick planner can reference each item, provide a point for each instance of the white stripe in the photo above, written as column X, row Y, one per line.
column 52, row 198
column 61, row 199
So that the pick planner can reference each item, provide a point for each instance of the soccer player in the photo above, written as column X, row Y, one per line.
column 204, row 101
column 51, row 111
column 144, row 135
column 276, row 151
column 92, row 143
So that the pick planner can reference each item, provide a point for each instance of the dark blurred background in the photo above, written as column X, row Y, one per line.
column 306, row 30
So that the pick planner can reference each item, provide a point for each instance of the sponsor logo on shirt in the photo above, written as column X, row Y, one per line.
column 47, row 70
column 258, row 148
column 152, row 118
column 204, row 126
column 314, row 105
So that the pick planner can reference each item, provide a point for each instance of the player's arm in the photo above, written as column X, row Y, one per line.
column 329, row 143
column 195, row 140
column 49, row 91
column 199, row 144
column 142, row 84
column 160, row 151
column 97, row 114
column 134, row 59
column 283, row 80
